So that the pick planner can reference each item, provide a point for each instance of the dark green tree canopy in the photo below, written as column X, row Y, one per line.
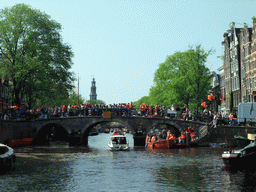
column 34, row 58
column 182, row 79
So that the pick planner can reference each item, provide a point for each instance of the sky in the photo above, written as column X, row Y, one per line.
column 121, row 43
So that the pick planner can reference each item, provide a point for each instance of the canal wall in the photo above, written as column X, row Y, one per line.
column 225, row 134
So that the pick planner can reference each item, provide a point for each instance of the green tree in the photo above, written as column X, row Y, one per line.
column 35, row 60
column 95, row 102
column 183, row 78
column 73, row 99
column 145, row 99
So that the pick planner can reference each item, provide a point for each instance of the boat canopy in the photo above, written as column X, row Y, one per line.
column 249, row 146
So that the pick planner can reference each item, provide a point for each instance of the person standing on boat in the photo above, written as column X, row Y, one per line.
column 153, row 138
column 168, row 134
column 192, row 135
column 160, row 136
column 148, row 138
column 183, row 137
column 164, row 133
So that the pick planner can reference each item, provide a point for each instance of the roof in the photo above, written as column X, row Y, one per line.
column 118, row 136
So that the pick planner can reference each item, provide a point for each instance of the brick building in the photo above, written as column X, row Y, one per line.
column 248, row 62
column 232, row 65
column 238, row 70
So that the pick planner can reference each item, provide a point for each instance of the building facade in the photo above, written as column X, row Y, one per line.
column 248, row 63
column 93, row 95
column 238, row 70
column 231, row 66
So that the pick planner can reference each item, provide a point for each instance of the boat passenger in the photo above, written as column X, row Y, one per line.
column 168, row 134
column 164, row 134
column 192, row 135
column 122, row 140
column 160, row 136
column 183, row 137
column 179, row 139
column 148, row 138
column 153, row 138
column 115, row 140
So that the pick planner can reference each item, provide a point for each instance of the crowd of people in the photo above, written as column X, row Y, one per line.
column 168, row 135
column 42, row 112
column 121, row 109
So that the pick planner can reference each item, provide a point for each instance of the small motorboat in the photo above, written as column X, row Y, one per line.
column 118, row 143
column 244, row 158
column 7, row 158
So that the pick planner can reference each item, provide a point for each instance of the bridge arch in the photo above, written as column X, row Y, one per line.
column 171, row 126
column 174, row 130
column 50, row 132
column 86, row 130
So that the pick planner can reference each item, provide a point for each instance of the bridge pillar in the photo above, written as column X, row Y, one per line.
column 75, row 141
column 139, row 140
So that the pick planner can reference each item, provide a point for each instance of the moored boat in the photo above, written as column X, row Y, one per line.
column 244, row 158
column 218, row 145
column 241, row 141
column 118, row 143
column 19, row 142
column 7, row 158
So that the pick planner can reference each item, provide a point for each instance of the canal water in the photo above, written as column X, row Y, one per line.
column 95, row 168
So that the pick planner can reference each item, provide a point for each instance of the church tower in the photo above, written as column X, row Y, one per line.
column 93, row 95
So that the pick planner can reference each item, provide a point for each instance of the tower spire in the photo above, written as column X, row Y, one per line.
column 93, row 95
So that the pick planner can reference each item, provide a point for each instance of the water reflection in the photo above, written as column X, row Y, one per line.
column 96, row 168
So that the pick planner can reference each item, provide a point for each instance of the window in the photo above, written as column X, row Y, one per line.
column 246, row 51
column 247, row 67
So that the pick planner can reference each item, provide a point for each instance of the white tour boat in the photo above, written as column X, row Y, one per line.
column 118, row 143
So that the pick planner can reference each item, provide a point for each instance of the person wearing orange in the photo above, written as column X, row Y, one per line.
column 179, row 139
column 192, row 135
column 168, row 134
column 131, row 105
column 62, row 110
column 153, row 138
column 130, row 109
column 147, row 139
column 143, row 109
column 183, row 137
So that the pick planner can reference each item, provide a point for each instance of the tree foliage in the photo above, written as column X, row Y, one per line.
column 182, row 79
column 145, row 99
column 34, row 58
column 95, row 102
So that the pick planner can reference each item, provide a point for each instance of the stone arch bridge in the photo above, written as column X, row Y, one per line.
column 77, row 128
